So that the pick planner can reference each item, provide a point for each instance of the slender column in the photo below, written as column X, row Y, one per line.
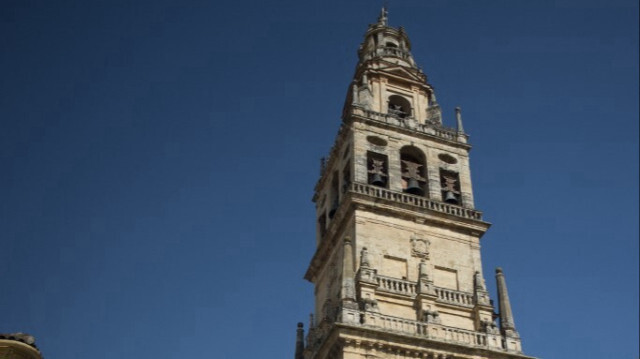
column 348, row 287
column 506, row 316
column 300, row 342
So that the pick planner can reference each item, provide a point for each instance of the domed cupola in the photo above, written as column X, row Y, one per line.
column 385, row 42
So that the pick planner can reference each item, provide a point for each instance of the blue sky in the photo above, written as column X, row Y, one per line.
column 158, row 160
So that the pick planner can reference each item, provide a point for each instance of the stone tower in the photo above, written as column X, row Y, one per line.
column 397, row 269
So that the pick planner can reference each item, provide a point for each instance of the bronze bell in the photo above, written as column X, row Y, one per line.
column 377, row 180
column 449, row 197
column 413, row 187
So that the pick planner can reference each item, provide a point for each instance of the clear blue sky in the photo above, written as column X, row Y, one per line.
column 158, row 159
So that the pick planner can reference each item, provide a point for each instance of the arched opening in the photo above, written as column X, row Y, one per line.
column 414, row 170
column 399, row 106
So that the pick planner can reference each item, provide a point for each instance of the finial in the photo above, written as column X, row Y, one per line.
column 479, row 281
column 364, row 257
column 459, row 119
column 382, row 19
column 506, row 316
column 299, row 342
column 422, row 269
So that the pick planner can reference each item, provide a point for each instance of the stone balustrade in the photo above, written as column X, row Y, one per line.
column 455, row 297
column 421, row 202
column 455, row 335
column 395, row 285
column 408, row 288
column 446, row 134
column 393, row 52
column 410, row 123
column 428, row 330
column 387, row 51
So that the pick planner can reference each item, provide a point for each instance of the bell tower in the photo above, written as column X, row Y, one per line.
column 397, row 270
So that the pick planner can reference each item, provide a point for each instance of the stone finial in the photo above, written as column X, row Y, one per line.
column 459, row 120
column 382, row 19
column 364, row 257
column 479, row 281
column 423, row 270
column 506, row 316
column 300, row 342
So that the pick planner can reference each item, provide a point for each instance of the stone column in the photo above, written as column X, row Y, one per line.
column 348, row 290
column 348, row 306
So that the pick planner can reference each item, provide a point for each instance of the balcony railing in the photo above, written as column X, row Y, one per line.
column 428, row 330
column 393, row 52
column 395, row 285
column 421, row 202
column 455, row 297
column 410, row 123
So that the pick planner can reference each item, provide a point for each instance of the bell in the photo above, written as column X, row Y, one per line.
column 377, row 180
column 449, row 197
column 413, row 187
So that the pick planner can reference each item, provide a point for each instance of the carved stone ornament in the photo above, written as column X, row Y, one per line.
column 450, row 184
column 420, row 247
column 377, row 167
column 412, row 170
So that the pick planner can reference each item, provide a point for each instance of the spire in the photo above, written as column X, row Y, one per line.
column 459, row 120
column 382, row 19
column 506, row 317
column 300, row 342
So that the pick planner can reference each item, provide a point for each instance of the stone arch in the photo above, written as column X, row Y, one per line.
column 399, row 106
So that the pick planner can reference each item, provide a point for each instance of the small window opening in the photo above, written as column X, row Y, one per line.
column 450, row 187
column 377, row 169
column 414, row 172
column 322, row 225
column 346, row 177
column 335, row 195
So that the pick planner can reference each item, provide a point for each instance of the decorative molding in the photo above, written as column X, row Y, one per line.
column 420, row 247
